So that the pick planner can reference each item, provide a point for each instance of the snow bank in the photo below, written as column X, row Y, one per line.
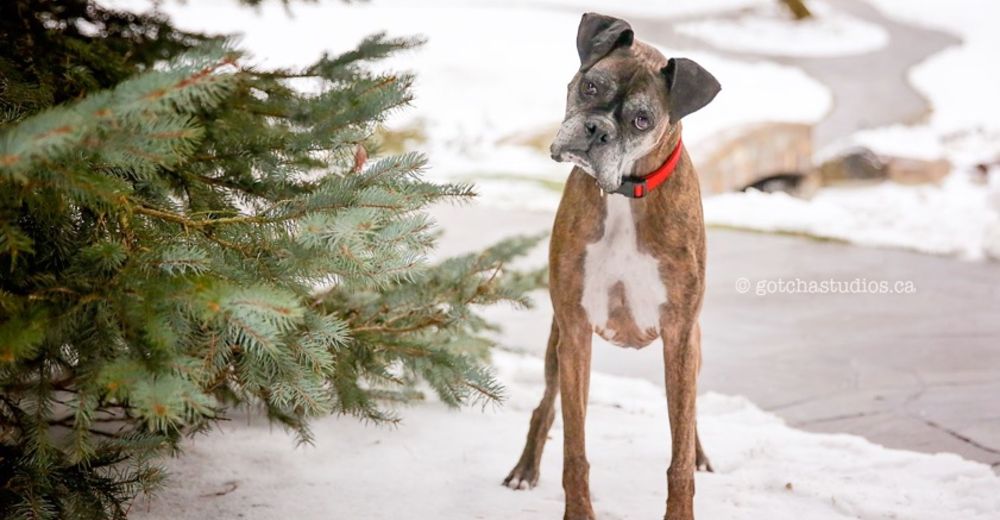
column 769, row 29
column 448, row 465
column 961, row 82
column 964, row 127
column 950, row 219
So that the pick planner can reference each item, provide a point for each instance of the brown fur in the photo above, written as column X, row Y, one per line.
column 670, row 227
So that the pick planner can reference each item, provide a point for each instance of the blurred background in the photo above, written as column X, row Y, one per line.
column 854, row 141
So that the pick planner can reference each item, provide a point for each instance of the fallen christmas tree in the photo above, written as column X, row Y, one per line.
column 181, row 233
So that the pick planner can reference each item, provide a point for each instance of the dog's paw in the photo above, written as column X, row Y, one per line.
column 522, row 477
column 701, row 463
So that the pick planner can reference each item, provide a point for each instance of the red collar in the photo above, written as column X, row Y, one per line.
column 639, row 187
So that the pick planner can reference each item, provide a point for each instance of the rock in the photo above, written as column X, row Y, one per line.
column 749, row 155
column 983, row 170
column 917, row 171
column 859, row 164
column 862, row 164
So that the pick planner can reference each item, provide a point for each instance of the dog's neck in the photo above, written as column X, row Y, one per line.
column 663, row 148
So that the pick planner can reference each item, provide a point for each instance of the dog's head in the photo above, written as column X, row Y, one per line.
column 624, row 100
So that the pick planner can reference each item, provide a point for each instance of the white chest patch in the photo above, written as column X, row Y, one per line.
column 616, row 258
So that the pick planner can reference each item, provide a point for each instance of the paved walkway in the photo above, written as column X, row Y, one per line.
column 918, row 371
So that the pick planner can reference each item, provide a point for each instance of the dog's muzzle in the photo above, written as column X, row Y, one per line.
column 577, row 157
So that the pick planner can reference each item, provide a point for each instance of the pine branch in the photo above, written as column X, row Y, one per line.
column 162, row 236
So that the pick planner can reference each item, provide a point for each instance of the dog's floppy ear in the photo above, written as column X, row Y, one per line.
column 690, row 87
column 598, row 35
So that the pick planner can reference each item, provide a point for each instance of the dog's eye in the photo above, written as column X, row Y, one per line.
column 641, row 122
column 590, row 89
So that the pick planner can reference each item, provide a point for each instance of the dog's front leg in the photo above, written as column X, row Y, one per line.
column 574, row 383
column 680, row 359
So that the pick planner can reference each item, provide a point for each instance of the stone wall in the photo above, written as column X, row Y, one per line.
column 746, row 155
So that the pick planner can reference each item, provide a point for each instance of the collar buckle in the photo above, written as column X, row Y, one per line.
column 638, row 187
column 633, row 188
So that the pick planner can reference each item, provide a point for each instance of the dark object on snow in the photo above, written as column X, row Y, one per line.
column 782, row 182
column 798, row 9
column 859, row 164
column 984, row 169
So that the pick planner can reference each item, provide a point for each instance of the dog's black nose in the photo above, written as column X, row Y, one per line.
column 598, row 132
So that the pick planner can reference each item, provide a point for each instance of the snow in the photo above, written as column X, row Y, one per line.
column 447, row 464
column 950, row 219
column 960, row 83
column 963, row 127
column 770, row 30
column 478, row 88
column 626, row 8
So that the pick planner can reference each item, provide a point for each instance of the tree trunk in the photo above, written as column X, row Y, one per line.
column 798, row 8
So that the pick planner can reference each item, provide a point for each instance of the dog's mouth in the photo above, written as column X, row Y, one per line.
column 605, row 183
column 576, row 158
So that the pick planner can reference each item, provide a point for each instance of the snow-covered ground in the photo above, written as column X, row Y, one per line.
column 447, row 465
column 960, row 217
column 962, row 83
column 768, row 29
column 950, row 219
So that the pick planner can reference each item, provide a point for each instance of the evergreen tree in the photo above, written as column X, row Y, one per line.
column 181, row 233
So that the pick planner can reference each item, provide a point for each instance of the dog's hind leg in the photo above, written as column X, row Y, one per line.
column 525, row 473
column 701, row 462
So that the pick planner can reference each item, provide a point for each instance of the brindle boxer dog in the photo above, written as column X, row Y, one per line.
column 627, row 257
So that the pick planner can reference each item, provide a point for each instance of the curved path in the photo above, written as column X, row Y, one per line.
column 869, row 90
